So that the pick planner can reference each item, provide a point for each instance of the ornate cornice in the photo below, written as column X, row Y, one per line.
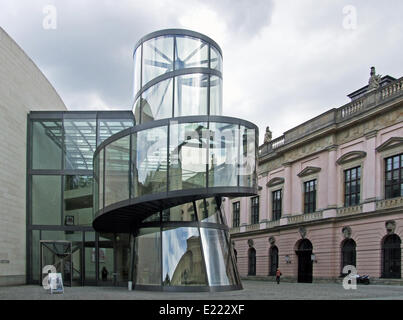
column 308, row 170
column 274, row 182
column 351, row 156
column 390, row 143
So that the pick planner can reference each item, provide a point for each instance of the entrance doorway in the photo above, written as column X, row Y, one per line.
column 391, row 256
column 305, row 265
column 65, row 257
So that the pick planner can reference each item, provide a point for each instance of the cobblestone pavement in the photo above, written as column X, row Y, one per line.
column 253, row 290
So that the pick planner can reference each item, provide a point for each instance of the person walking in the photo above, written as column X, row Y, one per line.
column 278, row 275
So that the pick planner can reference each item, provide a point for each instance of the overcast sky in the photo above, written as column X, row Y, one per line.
column 284, row 61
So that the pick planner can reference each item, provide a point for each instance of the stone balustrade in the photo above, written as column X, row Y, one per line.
column 389, row 203
column 305, row 217
column 346, row 211
column 334, row 116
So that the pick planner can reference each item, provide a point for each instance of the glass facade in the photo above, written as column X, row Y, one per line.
column 177, row 75
column 112, row 202
column 200, row 155
column 62, row 191
column 177, row 254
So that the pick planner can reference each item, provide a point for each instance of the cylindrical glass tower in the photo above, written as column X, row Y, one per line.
column 163, row 180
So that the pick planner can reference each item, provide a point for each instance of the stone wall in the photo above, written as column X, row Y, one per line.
column 23, row 88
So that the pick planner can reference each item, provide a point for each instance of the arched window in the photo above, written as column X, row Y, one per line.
column 252, row 262
column 391, row 257
column 348, row 254
column 273, row 260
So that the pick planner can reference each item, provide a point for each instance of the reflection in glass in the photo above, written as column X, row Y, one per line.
column 223, row 154
column 220, row 269
column 46, row 144
column 101, row 179
column 184, row 212
column 137, row 70
column 191, row 95
column 157, row 101
column 215, row 96
column 208, row 211
column 151, row 154
column 190, row 53
column 106, row 257
column 89, row 257
column 182, row 259
column 156, row 217
column 46, row 200
column 117, row 156
column 96, row 183
column 157, row 57
column 108, row 128
column 77, row 200
column 216, row 59
column 188, row 151
column 147, row 261
column 137, row 110
column 122, row 257
column 248, row 156
column 80, row 143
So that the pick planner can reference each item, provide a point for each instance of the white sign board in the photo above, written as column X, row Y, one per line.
column 56, row 283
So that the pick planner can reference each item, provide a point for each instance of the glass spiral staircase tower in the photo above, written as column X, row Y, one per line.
column 163, row 180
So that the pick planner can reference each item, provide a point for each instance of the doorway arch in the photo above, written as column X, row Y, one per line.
column 251, row 262
column 305, row 266
column 348, row 254
column 273, row 260
column 391, row 257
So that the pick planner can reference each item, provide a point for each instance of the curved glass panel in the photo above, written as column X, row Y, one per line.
column 157, row 57
column 248, row 156
column 137, row 110
column 184, row 212
column 220, row 269
column 215, row 96
column 191, row 95
column 208, row 211
column 96, row 183
column 223, row 154
column 137, row 70
column 187, row 155
column 147, row 260
column 157, row 101
column 101, row 180
column 182, row 262
column 190, row 53
column 117, row 155
column 151, row 161
column 215, row 59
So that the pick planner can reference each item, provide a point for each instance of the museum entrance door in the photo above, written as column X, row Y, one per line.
column 305, row 266
column 65, row 257
column 56, row 256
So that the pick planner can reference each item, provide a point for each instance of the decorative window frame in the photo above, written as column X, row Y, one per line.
column 391, row 147
column 349, row 161
column 308, row 174
column 232, row 202
column 273, row 185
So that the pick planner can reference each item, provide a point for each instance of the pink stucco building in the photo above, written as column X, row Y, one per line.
column 330, row 194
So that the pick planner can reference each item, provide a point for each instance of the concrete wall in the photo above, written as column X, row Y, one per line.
column 23, row 88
